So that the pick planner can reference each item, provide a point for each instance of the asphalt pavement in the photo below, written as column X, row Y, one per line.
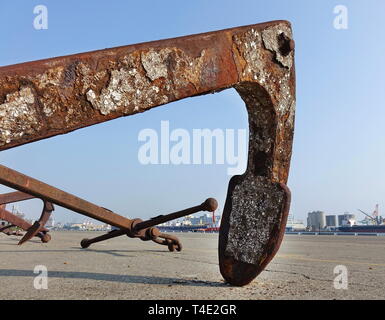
column 306, row 267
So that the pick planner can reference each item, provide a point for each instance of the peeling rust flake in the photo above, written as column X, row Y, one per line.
column 80, row 90
column 18, row 116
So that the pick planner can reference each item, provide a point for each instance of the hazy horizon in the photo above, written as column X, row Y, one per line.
column 339, row 143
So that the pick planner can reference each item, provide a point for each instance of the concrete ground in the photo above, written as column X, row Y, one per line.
column 124, row 268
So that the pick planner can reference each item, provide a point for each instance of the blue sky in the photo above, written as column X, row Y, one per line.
column 339, row 145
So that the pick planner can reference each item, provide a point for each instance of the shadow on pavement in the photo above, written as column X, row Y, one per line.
column 114, row 278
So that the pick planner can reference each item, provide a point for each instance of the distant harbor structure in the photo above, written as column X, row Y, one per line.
column 346, row 219
column 209, row 222
column 294, row 225
column 316, row 220
column 331, row 221
column 50, row 223
column 319, row 221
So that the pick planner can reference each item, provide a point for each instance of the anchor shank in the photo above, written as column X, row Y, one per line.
column 85, row 243
column 13, row 219
column 161, row 219
column 209, row 205
column 14, row 197
column 23, row 183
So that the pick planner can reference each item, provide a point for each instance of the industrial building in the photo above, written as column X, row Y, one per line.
column 316, row 220
column 294, row 225
column 346, row 218
column 331, row 221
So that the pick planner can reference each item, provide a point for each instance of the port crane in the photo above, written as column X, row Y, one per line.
column 374, row 217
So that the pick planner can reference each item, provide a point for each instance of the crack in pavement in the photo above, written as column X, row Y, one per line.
column 319, row 279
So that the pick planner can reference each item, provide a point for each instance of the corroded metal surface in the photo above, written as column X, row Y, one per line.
column 133, row 228
column 35, row 230
column 145, row 230
column 38, row 226
column 55, row 96
column 41, row 190
column 16, row 221
column 17, row 196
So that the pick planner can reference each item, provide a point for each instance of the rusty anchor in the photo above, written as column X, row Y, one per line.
column 145, row 230
column 15, row 221
column 37, row 229
column 7, row 229
column 63, row 94
column 134, row 228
